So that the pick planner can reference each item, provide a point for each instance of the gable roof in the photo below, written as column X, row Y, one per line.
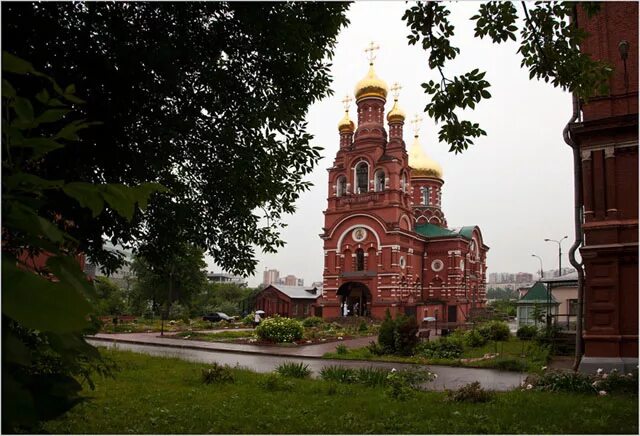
column 537, row 294
column 298, row 291
column 432, row 231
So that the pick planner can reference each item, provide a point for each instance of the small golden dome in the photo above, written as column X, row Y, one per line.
column 421, row 164
column 395, row 114
column 345, row 124
column 371, row 86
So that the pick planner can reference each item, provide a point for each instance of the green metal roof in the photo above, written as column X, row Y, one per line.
column 432, row 230
column 537, row 294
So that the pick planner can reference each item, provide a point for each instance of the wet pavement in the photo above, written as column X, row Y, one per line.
column 262, row 361
column 315, row 350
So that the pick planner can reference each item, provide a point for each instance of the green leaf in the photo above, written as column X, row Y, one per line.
column 142, row 193
column 68, row 271
column 7, row 89
column 52, row 115
column 24, row 109
column 43, row 96
column 23, row 218
column 87, row 194
column 71, row 89
column 15, row 351
column 29, row 182
column 120, row 199
column 40, row 146
column 14, row 64
column 41, row 304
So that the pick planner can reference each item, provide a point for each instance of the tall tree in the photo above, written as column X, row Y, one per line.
column 179, row 277
column 206, row 98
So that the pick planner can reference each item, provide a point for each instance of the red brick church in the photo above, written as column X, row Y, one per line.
column 386, row 240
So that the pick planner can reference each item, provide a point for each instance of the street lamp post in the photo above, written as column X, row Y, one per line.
column 541, row 270
column 559, row 242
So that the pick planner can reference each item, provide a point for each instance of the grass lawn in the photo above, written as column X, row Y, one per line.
column 144, row 325
column 160, row 395
column 513, row 349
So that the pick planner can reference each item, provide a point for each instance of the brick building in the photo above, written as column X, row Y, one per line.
column 386, row 240
column 607, row 135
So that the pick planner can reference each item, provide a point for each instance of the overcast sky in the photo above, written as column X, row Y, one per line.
column 516, row 183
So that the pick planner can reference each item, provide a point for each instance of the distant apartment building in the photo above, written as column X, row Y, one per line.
column 522, row 277
column 270, row 276
column 226, row 278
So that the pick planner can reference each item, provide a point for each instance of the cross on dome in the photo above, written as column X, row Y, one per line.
column 395, row 89
column 416, row 124
column 371, row 51
column 346, row 101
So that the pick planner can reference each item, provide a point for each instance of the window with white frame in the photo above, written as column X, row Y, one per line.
column 426, row 196
column 341, row 188
column 379, row 181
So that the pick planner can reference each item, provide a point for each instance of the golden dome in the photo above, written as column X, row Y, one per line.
column 345, row 124
column 421, row 164
column 395, row 114
column 371, row 86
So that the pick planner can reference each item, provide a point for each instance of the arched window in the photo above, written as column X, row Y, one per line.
column 379, row 181
column 426, row 194
column 359, row 259
column 362, row 178
column 341, row 188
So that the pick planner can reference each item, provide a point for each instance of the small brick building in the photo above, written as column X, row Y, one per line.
column 386, row 240
column 289, row 301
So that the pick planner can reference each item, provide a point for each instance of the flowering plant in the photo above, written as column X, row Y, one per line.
column 279, row 329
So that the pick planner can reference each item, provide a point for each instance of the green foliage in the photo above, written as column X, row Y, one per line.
column 470, row 393
column 443, row 348
column 501, row 295
column 46, row 297
column 510, row 364
column 405, row 335
column 194, row 97
column 601, row 382
column 312, row 321
column 275, row 383
column 293, row 369
column 398, row 336
column 504, row 308
column 217, row 374
column 549, row 49
column 386, row 336
column 110, row 298
column 402, row 384
column 279, row 329
column 341, row 349
column 372, row 376
column 363, row 327
column 495, row 331
column 248, row 320
column 473, row 338
column 339, row 374
column 526, row 332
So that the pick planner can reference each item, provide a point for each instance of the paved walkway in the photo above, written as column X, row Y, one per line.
column 315, row 350
column 266, row 359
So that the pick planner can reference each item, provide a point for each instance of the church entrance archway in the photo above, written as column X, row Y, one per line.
column 357, row 298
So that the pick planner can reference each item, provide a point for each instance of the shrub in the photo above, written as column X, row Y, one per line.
column 363, row 327
column 495, row 331
column 405, row 335
column 248, row 320
column 372, row 376
column 278, row 329
column 275, row 382
column 473, row 339
column 511, row 364
column 294, row 369
column 312, row 321
column 471, row 393
column 527, row 332
column 341, row 349
column 217, row 374
column 401, row 384
column 375, row 348
column 443, row 348
column 617, row 382
column 386, row 337
column 338, row 374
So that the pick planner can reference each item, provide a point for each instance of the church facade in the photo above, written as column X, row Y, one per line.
column 386, row 240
